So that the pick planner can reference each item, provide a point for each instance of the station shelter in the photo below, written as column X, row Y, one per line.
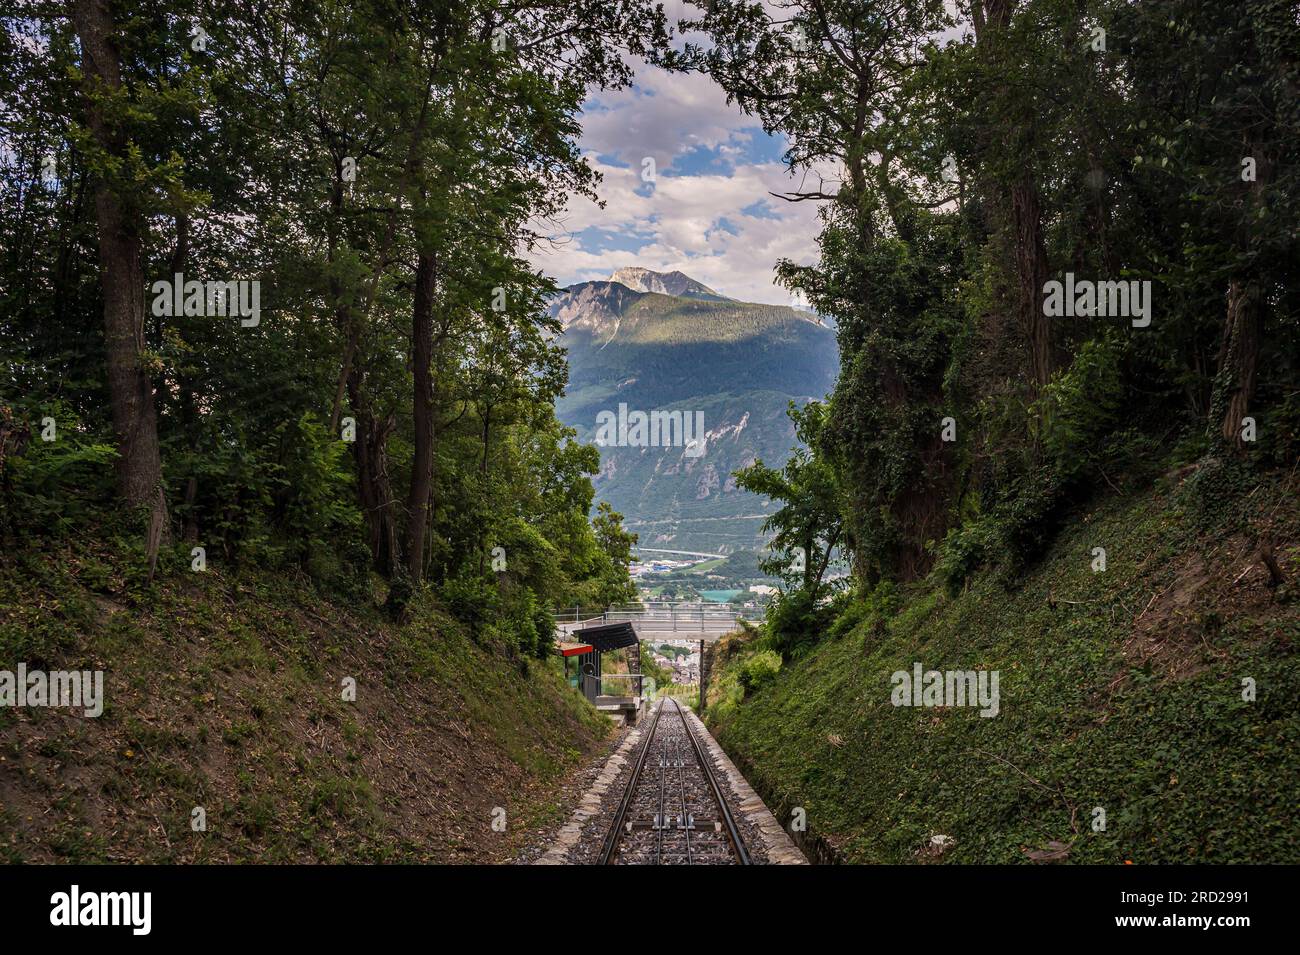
column 586, row 646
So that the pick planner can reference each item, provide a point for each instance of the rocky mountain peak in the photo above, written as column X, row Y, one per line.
column 664, row 283
column 593, row 305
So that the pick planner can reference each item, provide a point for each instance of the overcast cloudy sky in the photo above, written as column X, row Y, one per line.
column 708, row 213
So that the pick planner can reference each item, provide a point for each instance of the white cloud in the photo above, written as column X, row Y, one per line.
column 664, row 115
column 680, row 223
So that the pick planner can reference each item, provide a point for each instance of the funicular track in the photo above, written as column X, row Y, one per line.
column 672, row 811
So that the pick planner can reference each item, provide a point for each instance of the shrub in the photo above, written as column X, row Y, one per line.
column 1080, row 404
column 50, row 487
column 795, row 621
column 759, row 670
column 964, row 551
column 1011, row 536
column 1213, row 494
column 470, row 599
column 320, row 515
column 877, row 604
column 1280, row 431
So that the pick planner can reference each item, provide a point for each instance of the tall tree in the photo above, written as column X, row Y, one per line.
column 120, row 231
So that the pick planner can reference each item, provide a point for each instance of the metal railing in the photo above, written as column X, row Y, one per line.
column 592, row 686
column 664, row 616
column 677, row 620
column 578, row 614
column 754, row 614
column 707, row 606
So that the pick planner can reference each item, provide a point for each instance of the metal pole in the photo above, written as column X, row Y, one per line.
column 701, row 676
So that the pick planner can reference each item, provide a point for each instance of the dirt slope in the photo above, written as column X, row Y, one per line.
column 226, row 694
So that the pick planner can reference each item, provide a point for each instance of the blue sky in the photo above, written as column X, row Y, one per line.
column 707, row 213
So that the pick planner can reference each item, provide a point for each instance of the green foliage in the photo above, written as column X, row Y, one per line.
column 1280, row 430
column 616, row 556
column 806, row 528
column 1079, row 406
column 521, row 625
column 292, row 444
column 317, row 495
column 873, row 608
column 965, row 550
column 1011, row 535
column 52, row 488
column 796, row 620
column 1212, row 491
column 895, row 306
column 471, row 600
column 759, row 670
column 964, row 425
column 1145, row 718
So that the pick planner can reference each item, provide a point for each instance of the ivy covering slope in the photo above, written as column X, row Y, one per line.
column 1120, row 689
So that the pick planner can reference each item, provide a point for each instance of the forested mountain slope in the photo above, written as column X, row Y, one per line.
column 738, row 363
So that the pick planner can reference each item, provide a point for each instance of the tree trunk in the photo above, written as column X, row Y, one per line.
column 1018, row 202
column 1238, row 357
column 374, row 488
column 357, row 318
column 139, row 465
column 826, row 560
column 417, row 502
column 1234, row 380
column 1031, row 273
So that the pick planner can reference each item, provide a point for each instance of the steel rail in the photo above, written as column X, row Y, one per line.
column 685, row 817
column 732, row 832
column 661, row 820
column 616, row 829
column 613, row 837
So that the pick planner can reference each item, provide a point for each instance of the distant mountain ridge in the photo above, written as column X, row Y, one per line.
column 593, row 305
column 665, row 283
column 739, row 363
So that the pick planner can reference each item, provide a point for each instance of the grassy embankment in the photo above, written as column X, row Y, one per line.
column 1120, row 690
column 225, row 692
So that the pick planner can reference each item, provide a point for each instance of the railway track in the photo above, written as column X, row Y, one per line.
column 672, row 811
